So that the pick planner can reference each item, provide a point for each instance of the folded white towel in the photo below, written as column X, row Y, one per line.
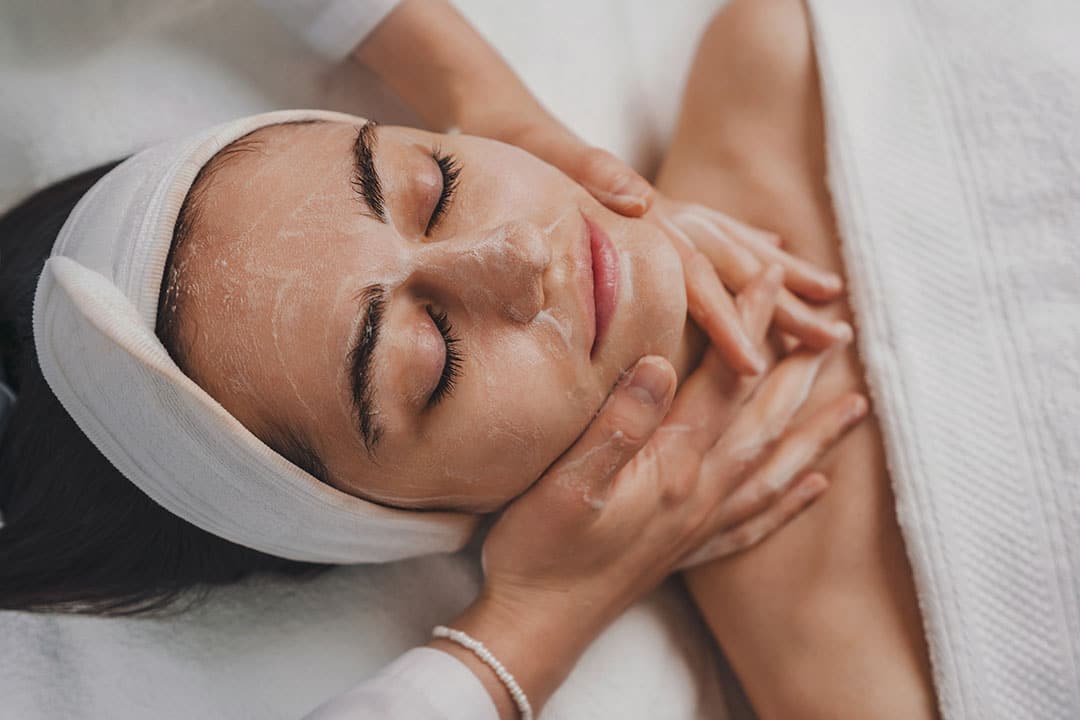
column 954, row 153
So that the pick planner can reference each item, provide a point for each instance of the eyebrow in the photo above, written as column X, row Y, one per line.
column 365, row 178
column 372, row 300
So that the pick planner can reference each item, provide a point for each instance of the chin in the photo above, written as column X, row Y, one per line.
column 657, row 298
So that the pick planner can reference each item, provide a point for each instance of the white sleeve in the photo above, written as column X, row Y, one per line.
column 422, row 684
column 331, row 27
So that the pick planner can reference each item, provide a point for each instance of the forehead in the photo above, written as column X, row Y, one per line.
column 283, row 199
column 278, row 252
column 279, row 174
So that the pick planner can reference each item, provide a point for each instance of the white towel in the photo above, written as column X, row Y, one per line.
column 954, row 151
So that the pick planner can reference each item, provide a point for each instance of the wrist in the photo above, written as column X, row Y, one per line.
column 513, row 631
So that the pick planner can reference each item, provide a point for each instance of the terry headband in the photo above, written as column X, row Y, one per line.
column 94, row 314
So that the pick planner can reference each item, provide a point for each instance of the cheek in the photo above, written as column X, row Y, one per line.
column 501, row 183
column 519, row 410
column 654, row 299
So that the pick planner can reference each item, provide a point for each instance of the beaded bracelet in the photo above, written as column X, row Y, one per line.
column 478, row 649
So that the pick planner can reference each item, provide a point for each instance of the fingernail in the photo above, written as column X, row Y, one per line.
column 757, row 362
column 831, row 281
column 650, row 383
column 628, row 201
column 629, row 189
column 813, row 486
column 842, row 332
column 859, row 406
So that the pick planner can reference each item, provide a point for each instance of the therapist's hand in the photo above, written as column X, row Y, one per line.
column 652, row 484
column 721, row 255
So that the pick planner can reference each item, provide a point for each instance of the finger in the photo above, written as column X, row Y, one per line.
column 793, row 455
column 734, row 225
column 612, row 182
column 753, row 531
column 737, row 266
column 712, row 403
column 757, row 302
column 712, row 308
column 761, row 421
column 801, row 277
column 707, row 399
column 704, row 406
column 812, row 329
column 624, row 424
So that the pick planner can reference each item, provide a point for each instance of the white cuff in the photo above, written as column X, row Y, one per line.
column 422, row 684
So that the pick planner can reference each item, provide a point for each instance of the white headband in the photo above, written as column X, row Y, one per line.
column 94, row 316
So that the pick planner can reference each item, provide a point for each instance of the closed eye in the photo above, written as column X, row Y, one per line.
column 451, row 172
column 451, row 364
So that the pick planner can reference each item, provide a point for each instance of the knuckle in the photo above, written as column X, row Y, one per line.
column 767, row 492
column 648, row 457
column 739, row 454
column 677, row 487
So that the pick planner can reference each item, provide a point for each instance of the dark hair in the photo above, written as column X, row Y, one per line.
column 77, row 535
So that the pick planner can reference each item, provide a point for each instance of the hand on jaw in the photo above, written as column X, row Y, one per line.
column 659, row 481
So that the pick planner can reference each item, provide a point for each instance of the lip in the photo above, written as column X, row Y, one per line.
column 583, row 281
column 605, row 281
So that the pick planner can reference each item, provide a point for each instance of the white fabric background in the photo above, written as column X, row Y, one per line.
column 85, row 83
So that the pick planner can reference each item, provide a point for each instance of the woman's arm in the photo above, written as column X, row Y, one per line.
column 821, row 621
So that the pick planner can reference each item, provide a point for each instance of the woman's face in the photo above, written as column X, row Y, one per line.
column 427, row 363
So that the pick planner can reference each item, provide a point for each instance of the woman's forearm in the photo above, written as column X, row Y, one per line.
column 538, row 644
column 437, row 62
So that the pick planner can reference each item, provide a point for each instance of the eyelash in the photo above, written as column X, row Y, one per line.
column 452, row 366
column 451, row 171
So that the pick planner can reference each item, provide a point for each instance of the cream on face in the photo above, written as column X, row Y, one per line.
column 286, row 261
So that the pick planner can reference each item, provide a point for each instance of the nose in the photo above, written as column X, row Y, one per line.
column 498, row 271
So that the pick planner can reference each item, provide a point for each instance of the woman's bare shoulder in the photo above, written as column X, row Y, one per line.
column 760, row 56
column 751, row 107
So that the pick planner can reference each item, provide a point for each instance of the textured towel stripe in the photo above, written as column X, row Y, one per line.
column 985, row 481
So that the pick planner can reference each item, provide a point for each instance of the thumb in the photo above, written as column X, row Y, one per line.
column 624, row 424
column 612, row 182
